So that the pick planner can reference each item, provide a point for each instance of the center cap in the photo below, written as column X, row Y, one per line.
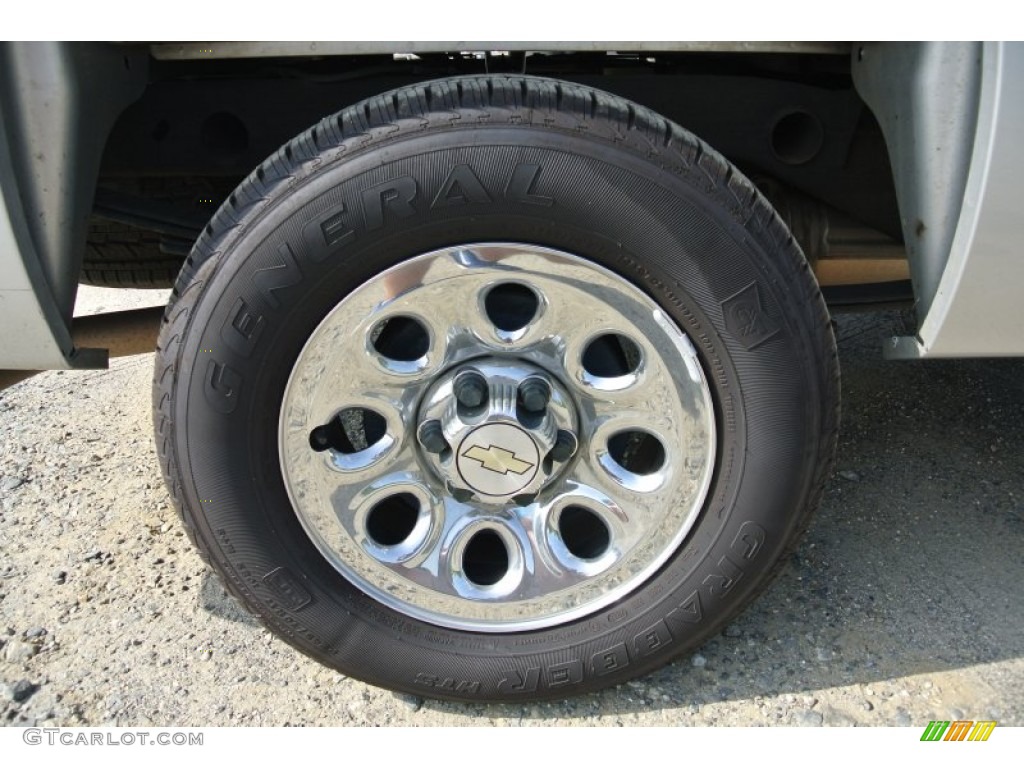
column 496, row 431
column 498, row 459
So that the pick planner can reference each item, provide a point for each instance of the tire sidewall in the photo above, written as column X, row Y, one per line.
column 668, row 230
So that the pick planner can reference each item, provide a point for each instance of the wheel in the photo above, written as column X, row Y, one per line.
column 495, row 388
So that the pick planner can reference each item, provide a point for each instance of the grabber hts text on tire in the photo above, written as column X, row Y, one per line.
column 496, row 388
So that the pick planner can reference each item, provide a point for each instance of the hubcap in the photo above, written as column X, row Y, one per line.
column 497, row 437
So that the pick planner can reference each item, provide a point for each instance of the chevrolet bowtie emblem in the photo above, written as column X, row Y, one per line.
column 498, row 460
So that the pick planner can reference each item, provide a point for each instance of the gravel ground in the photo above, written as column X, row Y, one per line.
column 903, row 603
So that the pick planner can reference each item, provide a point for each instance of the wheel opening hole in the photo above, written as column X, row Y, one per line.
column 638, row 452
column 401, row 338
column 583, row 532
column 351, row 431
column 611, row 355
column 160, row 130
column 485, row 559
column 796, row 137
column 224, row 134
column 392, row 519
column 511, row 306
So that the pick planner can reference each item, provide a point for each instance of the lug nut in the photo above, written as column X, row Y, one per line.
column 459, row 494
column 470, row 389
column 535, row 394
column 431, row 436
column 565, row 446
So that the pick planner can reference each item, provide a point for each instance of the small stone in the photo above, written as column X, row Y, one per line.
column 35, row 632
column 866, row 705
column 18, row 652
column 698, row 660
column 412, row 703
column 12, row 482
column 823, row 654
column 837, row 719
column 60, row 577
column 849, row 474
column 805, row 718
column 902, row 719
column 956, row 713
column 732, row 631
column 23, row 689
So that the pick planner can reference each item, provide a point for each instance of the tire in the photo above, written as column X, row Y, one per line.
column 119, row 256
column 496, row 389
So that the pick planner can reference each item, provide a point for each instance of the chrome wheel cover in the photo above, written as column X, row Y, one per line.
column 497, row 437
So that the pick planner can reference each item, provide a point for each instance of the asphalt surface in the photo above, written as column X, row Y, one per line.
column 903, row 603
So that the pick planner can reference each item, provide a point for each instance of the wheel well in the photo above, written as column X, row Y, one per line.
column 792, row 122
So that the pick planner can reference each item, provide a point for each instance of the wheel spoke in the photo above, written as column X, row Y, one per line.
column 629, row 514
